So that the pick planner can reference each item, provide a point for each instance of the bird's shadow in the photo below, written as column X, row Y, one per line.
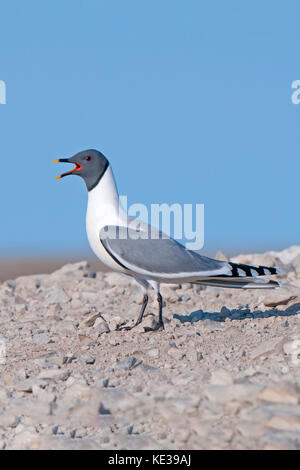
column 237, row 314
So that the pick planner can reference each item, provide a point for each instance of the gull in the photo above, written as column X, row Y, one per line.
column 136, row 249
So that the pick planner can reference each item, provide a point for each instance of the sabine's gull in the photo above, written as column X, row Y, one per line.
column 133, row 250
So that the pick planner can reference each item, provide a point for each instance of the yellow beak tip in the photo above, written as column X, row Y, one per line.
column 57, row 178
column 55, row 161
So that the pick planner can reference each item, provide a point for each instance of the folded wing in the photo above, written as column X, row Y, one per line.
column 155, row 255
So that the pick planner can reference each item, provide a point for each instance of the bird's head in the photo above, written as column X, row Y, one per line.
column 89, row 164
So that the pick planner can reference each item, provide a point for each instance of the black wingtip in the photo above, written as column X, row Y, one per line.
column 242, row 270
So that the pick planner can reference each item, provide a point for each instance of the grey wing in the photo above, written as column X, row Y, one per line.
column 160, row 257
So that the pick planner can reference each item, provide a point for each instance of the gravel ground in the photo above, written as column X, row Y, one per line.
column 225, row 373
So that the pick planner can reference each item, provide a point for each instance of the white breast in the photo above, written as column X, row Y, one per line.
column 103, row 209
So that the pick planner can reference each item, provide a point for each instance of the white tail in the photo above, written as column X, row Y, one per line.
column 240, row 283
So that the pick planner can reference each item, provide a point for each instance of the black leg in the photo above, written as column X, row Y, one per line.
column 160, row 315
column 141, row 314
column 140, row 317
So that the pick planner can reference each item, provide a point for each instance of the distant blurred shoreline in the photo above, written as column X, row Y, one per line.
column 11, row 269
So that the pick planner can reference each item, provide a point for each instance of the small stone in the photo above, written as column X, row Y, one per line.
column 221, row 377
column 128, row 363
column 199, row 356
column 280, row 297
column 44, row 338
column 115, row 323
column 54, row 374
column 56, row 295
column 69, row 358
column 292, row 347
column 21, row 374
column 266, row 348
column 24, row 386
column 101, row 326
column 148, row 324
column 90, row 321
column 84, row 339
column 175, row 353
column 183, row 298
column 153, row 353
column 88, row 359
column 102, row 410
column 228, row 393
column 284, row 423
column 280, row 393
column 113, row 341
column 212, row 325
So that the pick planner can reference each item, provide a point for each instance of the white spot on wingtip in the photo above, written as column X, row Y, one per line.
column 241, row 273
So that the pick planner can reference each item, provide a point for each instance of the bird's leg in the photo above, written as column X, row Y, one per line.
column 141, row 314
column 160, row 315
column 140, row 317
column 156, row 286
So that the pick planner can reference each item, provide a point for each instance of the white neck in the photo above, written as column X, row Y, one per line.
column 103, row 201
column 103, row 209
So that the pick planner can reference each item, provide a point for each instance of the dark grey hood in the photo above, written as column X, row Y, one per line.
column 89, row 164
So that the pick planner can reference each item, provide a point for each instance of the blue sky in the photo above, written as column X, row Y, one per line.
column 190, row 101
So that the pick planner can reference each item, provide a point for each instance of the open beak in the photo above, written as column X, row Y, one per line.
column 66, row 160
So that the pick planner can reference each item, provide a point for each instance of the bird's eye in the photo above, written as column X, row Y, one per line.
column 87, row 158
